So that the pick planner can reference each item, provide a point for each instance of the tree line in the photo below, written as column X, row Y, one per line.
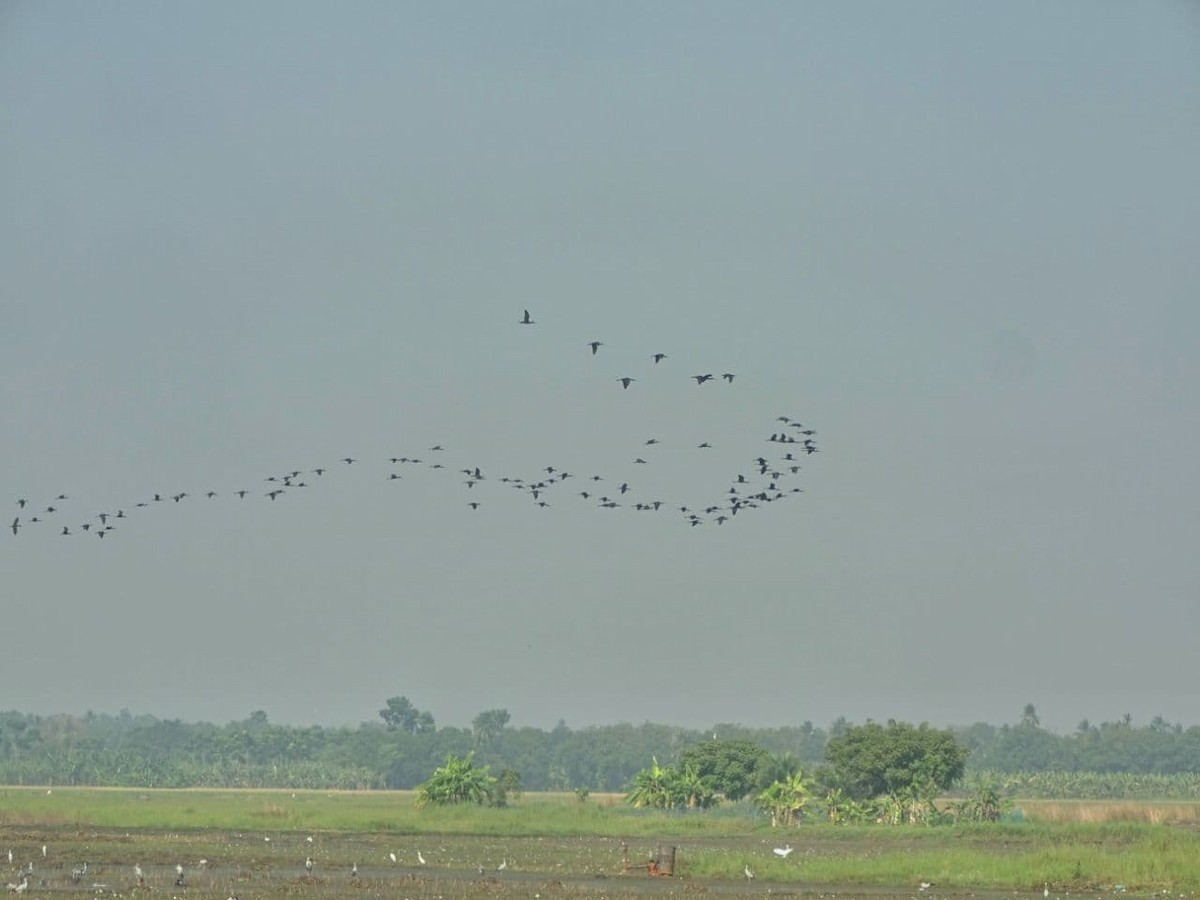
column 405, row 745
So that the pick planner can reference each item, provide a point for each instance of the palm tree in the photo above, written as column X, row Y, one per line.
column 651, row 787
column 785, row 798
column 458, row 781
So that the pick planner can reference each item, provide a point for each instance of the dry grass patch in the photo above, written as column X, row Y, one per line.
column 1091, row 812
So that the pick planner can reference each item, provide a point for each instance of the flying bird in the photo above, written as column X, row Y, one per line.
column 659, row 357
column 625, row 382
column 700, row 379
column 783, row 851
column 595, row 345
column 728, row 376
column 16, row 525
column 528, row 320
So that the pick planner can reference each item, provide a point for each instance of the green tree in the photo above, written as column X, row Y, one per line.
column 401, row 715
column 730, row 768
column 686, row 787
column 488, row 724
column 510, row 784
column 651, row 788
column 784, row 800
column 909, row 764
column 458, row 781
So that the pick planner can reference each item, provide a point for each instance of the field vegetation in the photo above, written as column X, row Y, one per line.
column 256, row 842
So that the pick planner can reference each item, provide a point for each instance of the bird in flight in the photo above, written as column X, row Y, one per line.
column 528, row 320
column 595, row 345
column 625, row 382
column 700, row 379
column 659, row 357
column 783, row 851
column 728, row 376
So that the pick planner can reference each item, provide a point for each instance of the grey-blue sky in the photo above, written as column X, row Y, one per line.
column 956, row 239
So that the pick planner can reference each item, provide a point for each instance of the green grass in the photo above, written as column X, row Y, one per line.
column 259, row 839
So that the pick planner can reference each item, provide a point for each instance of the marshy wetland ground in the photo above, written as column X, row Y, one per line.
column 256, row 843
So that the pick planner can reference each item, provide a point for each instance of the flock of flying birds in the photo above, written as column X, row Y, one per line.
column 766, row 477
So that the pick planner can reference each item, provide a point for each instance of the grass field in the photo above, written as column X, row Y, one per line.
column 256, row 843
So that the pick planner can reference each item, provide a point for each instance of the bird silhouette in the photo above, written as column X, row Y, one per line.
column 595, row 345
column 700, row 379
column 728, row 376
column 783, row 851
column 626, row 382
column 528, row 319
column 659, row 357
column 16, row 525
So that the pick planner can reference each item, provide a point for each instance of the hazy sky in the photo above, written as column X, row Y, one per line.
column 958, row 240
